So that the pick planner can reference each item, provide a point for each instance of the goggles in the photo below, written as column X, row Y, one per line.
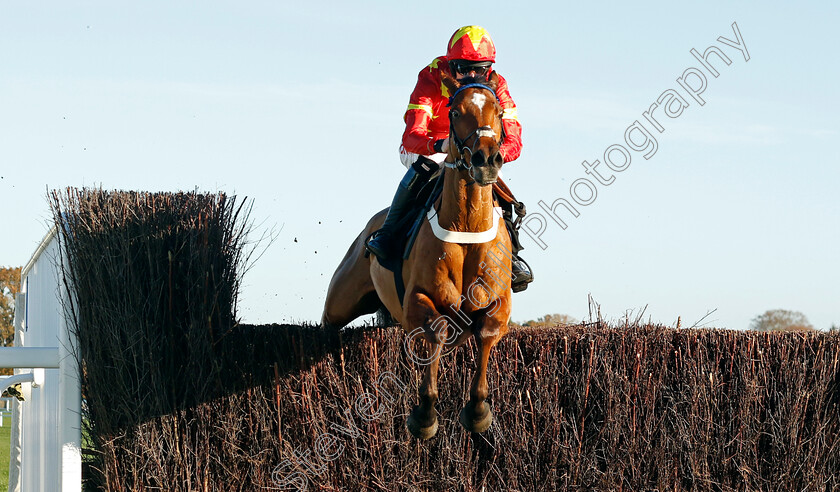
column 467, row 68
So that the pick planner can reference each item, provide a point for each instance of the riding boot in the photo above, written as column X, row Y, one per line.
column 382, row 243
column 520, row 270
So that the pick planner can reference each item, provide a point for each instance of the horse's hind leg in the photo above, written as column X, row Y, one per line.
column 351, row 293
column 345, row 309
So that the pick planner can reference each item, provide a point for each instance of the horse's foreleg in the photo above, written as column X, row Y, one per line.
column 476, row 415
column 422, row 422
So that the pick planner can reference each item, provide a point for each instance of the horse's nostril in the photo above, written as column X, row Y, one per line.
column 478, row 158
column 498, row 160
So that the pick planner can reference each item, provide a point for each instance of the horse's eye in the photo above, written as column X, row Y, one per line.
column 454, row 113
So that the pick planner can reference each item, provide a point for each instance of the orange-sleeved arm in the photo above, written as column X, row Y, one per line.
column 512, row 146
column 416, row 137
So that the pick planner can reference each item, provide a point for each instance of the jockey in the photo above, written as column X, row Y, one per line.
column 425, row 142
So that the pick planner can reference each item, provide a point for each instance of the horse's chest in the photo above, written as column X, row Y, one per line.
column 473, row 289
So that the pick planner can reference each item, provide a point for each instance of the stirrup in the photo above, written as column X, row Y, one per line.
column 523, row 275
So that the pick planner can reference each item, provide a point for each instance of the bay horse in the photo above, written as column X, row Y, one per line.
column 457, row 277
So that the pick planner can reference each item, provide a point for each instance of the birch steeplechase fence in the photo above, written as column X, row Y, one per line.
column 180, row 395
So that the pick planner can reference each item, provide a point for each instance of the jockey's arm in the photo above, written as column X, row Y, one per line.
column 418, row 115
column 512, row 146
column 416, row 138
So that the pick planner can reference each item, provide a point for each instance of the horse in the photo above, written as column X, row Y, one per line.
column 457, row 276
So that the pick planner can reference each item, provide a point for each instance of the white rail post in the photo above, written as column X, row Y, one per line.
column 70, row 409
column 47, row 439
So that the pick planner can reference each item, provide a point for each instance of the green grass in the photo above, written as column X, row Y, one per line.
column 5, row 444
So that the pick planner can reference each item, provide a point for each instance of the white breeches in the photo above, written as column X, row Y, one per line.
column 408, row 158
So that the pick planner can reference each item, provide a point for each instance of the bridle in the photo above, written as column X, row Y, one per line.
column 482, row 131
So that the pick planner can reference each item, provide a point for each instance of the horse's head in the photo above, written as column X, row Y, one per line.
column 476, row 131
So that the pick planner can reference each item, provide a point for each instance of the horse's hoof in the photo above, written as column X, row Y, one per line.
column 419, row 431
column 476, row 423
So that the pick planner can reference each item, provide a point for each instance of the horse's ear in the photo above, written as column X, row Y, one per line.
column 493, row 81
column 449, row 82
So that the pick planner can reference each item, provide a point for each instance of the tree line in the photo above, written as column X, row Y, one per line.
column 770, row 320
column 9, row 287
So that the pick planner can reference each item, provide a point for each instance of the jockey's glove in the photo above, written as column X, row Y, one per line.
column 441, row 145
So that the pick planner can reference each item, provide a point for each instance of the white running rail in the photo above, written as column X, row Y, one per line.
column 46, row 426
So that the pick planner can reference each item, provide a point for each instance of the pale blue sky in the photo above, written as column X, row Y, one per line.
column 293, row 104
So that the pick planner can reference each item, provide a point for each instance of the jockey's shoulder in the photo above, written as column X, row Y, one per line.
column 438, row 63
